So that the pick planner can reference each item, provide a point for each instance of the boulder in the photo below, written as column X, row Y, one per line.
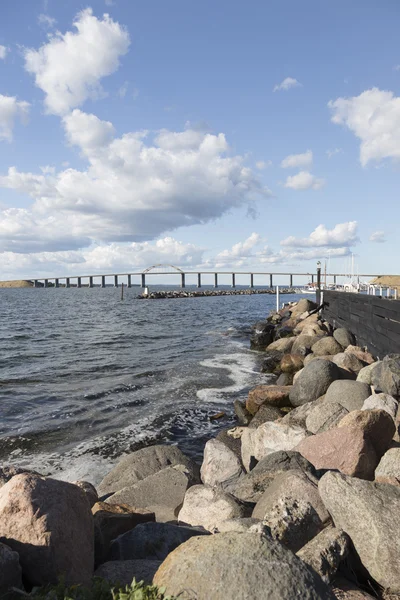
column 6, row 473
column 304, row 305
column 122, row 572
column 295, row 485
column 386, row 375
column 151, row 541
column 89, row 490
column 344, row 337
column 112, row 520
column 347, row 393
column 263, row 334
column 313, row 381
column 382, row 401
column 10, row 571
column 265, row 414
column 377, row 425
column 208, row 507
column 347, row 590
column 246, row 525
column 303, row 343
column 271, row 363
column 285, row 379
column 348, row 361
column 365, row 357
column 291, row 363
column 267, row 394
column 241, row 412
column 231, row 440
column 220, row 464
column 282, row 345
column 285, row 329
column 239, row 565
column 326, row 551
column 365, row 375
column 252, row 486
column 346, row 449
column 298, row 416
column 388, row 470
column 161, row 493
column 50, row 525
column 141, row 464
column 268, row 438
column 326, row 345
column 367, row 512
column 324, row 416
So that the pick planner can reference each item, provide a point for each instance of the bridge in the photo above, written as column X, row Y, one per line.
column 166, row 269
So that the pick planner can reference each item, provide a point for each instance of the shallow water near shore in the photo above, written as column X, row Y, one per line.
column 85, row 377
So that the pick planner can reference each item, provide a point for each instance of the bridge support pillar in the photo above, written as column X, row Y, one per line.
column 90, row 281
column 115, row 280
column 79, row 282
column 129, row 281
column 251, row 280
column 67, row 282
column 291, row 281
column 143, row 280
column 312, row 278
column 182, row 280
column 56, row 283
column 103, row 281
column 46, row 283
column 35, row 283
column 334, row 279
column 271, row 282
column 199, row 280
column 215, row 280
column 233, row 280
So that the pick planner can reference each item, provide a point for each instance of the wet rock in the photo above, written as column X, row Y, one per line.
column 268, row 438
column 241, row 412
column 313, row 381
column 284, row 330
column 386, row 375
column 291, row 363
column 112, row 520
column 265, row 414
column 49, row 524
column 271, row 363
column 377, row 425
column 388, row 470
column 145, row 462
column 151, row 541
column 267, row 394
column 239, row 565
column 326, row 345
column 382, row 401
column 122, row 572
column 89, row 490
column 348, row 361
column 220, row 464
column 325, row 552
column 346, row 449
column 161, row 493
column 324, row 416
column 262, row 335
column 10, row 571
column 344, row 337
column 208, row 507
column 365, row 375
column 347, row 393
column 367, row 511
column 295, row 485
column 282, row 345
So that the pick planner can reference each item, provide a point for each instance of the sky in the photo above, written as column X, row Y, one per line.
column 221, row 134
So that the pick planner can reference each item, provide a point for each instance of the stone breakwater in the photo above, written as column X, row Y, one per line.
column 300, row 500
column 203, row 293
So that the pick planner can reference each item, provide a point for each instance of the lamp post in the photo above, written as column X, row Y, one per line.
column 319, row 282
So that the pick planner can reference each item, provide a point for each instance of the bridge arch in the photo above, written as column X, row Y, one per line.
column 162, row 265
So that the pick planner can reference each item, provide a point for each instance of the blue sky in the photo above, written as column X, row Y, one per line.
column 257, row 135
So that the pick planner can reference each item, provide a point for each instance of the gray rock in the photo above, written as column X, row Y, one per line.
column 283, row 345
column 122, row 572
column 324, row 416
column 326, row 551
column 344, row 337
column 241, row 412
column 151, row 541
column 252, row 486
column 90, row 491
column 388, row 470
column 10, row 570
column 285, row 379
column 220, row 464
column 232, row 442
column 365, row 375
column 367, row 512
column 262, row 335
column 348, row 361
column 313, row 381
column 382, row 401
column 303, row 344
column 349, row 394
column 326, row 345
column 162, row 493
column 347, row 590
column 271, row 362
column 265, row 413
column 293, row 522
column 268, row 438
column 208, row 507
column 298, row 416
column 246, row 525
column 386, row 375
column 292, row 484
column 239, row 565
column 143, row 463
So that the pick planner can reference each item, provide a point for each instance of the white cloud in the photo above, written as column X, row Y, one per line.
column 378, row 237
column 3, row 52
column 123, row 89
column 374, row 118
column 10, row 110
column 263, row 164
column 286, row 84
column 294, row 161
column 343, row 234
column 70, row 66
column 304, row 181
column 134, row 188
column 46, row 21
column 238, row 252
column 331, row 153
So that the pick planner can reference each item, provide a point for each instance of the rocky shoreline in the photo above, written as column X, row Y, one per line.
column 298, row 501
column 203, row 293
